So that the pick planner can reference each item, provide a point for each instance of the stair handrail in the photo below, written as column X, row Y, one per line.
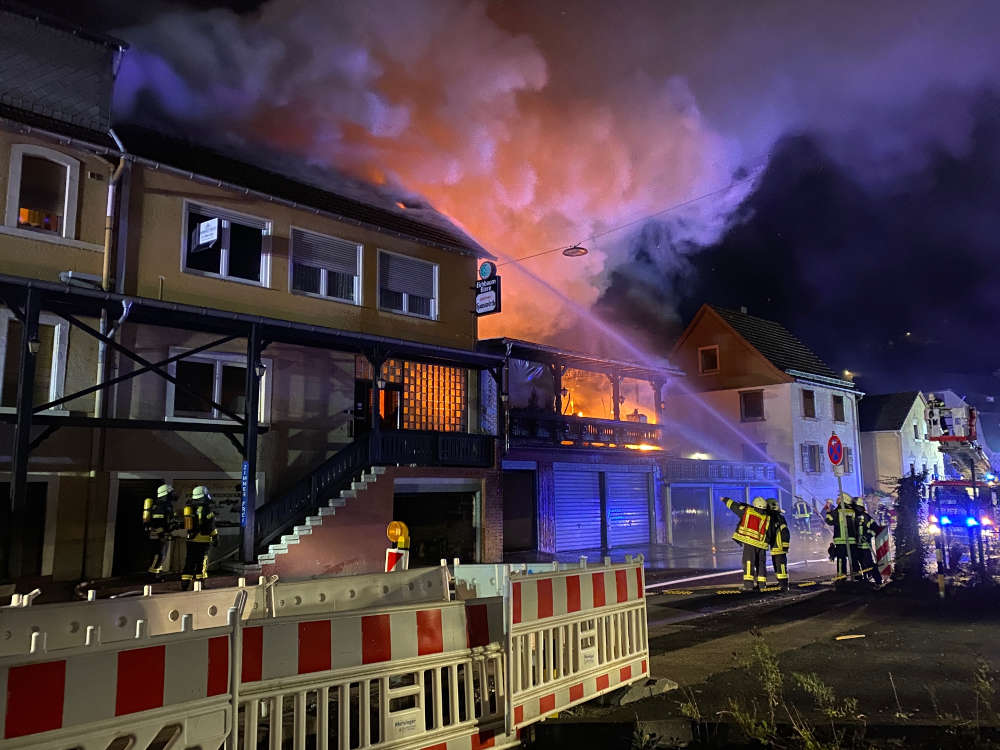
column 312, row 491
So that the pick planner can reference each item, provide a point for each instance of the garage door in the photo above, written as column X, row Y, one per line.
column 628, row 508
column 578, row 509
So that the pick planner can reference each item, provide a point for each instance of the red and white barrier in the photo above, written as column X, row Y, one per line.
column 359, row 661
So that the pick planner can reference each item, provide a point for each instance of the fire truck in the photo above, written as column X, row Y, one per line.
column 962, row 512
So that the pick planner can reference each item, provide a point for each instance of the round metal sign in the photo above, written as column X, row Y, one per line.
column 835, row 450
column 487, row 270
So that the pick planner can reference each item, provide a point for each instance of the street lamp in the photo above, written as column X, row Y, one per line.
column 259, row 369
column 576, row 251
column 34, row 345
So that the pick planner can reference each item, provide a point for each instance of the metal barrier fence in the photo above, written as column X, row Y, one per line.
column 381, row 660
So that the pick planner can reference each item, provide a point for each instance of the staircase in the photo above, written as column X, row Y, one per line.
column 355, row 484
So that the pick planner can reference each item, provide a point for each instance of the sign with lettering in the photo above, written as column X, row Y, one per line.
column 488, row 296
column 244, row 493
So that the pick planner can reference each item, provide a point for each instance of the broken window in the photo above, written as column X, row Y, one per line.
column 222, row 243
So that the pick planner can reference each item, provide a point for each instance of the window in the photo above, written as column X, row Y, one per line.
column 325, row 266
column 708, row 360
column 838, row 409
column 848, row 460
column 916, row 432
column 913, row 470
column 407, row 285
column 225, row 244
column 811, row 455
column 50, row 362
column 220, row 377
column 752, row 406
column 42, row 190
column 809, row 404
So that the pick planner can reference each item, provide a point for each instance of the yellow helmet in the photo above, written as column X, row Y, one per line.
column 760, row 503
column 163, row 490
column 201, row 493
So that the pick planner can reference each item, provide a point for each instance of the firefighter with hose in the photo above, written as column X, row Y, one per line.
column 842, row 518
column 753, row 535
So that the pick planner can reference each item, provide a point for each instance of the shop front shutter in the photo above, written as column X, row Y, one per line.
column 578, row 509
column 628, row 508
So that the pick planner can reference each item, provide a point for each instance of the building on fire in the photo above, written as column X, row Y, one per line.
column 230, row 321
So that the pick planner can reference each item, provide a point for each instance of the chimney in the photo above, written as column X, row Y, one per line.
column 743, row 309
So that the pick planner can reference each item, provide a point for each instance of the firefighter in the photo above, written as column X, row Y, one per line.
column 159, row 522
column 841, row 518
column 779, row 542
column 199, row 523
column 752, row 534
column 867, row 528
column 802, row 515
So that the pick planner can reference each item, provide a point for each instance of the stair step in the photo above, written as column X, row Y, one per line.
column 358, row 486
column 315, row 520
column 378, row 470
column 348, row 493
column 327, row 511
column 303, row 530
column 266, row 560
column 290, row 539
column 369, row 478
column 277, row 549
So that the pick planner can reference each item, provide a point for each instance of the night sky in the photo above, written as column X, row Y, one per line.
column 862, row 143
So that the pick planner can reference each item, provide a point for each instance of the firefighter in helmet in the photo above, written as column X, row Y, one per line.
column 802, row 516
column 779, row 542
column 159, row 522
column 867, row 528
column 199, row 523
column 842, row 518
column 752, row 534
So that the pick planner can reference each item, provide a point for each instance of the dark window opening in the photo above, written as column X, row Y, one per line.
column 809, row 404
column 838, row 408
column 42, row 199
column 751, row 405
column 708, row 360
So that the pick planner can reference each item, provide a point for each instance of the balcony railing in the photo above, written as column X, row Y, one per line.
column 542, row 428
column 693, row 470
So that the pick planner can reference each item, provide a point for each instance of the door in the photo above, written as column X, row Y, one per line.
column 390, row 406
column 689, row 517
column 441, row 525
column 578, row 509
column 130, row 539
column 519, row 510
column 627, row 508
column 34, row 526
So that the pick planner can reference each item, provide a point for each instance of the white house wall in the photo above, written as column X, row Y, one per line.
column 823, row 485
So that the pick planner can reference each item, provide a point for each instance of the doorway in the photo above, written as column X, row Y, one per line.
column 442, row 525
column 519, row 511
column 34, row 526
column 130, row 538
column 390, row 406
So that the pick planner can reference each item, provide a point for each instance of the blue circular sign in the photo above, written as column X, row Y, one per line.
column 835, row 450
column 487, row 270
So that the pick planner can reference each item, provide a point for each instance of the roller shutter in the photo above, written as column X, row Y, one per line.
column 578, row 509
column 628, row 508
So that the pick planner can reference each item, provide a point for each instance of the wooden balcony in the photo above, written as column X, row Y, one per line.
column 543, row 429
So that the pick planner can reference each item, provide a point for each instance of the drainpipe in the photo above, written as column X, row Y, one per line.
column 98, row 443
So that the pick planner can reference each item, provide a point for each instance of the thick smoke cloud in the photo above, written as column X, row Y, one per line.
column 440, row 98
column 536, row 125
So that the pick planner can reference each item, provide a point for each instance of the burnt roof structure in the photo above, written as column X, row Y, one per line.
column 532, row 352
column 885, row 412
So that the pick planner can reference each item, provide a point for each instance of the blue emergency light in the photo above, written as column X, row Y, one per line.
column 945, row 521
column 970, row 521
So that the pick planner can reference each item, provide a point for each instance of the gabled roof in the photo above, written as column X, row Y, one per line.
column 885, row 412
column 318, row 188
column 776, row 343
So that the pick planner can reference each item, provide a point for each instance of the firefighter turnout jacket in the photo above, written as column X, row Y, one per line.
column 801, row 510
column 754, row 524
column 779, row 537
column 199, row 522
column 158, row 516
column 844, row 521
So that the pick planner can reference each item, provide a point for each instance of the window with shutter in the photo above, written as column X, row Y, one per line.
column 804, row 455
column 226, row 244
column 809, row 403
column 407, row 285
column 848, row 460
column 325, row 266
